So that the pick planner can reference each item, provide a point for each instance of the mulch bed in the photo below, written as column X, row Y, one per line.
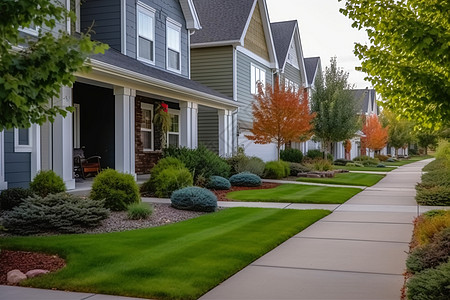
column 222, row 193
column 26, row 261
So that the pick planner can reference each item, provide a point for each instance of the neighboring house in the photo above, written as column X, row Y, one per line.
column 231, row 54
column 148, row 63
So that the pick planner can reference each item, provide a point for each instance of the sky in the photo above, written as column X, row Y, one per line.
column 324, row 32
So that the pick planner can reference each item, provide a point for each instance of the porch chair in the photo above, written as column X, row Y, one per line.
column 83, row 166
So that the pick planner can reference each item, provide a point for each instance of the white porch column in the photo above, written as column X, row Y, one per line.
column 124, row 130
column 62, row 142
column 189, row 124
column 3, row 183
column 225, row 132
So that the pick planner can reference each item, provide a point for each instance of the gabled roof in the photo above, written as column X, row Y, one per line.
column 153, row 76
column 190, row 14
column 282, row 33
column 222, row 20
column 366, row 99
column 312, row 67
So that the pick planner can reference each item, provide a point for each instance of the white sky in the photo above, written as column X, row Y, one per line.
column 324, row 32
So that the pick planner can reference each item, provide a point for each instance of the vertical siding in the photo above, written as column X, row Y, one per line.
column 208, row 128
column 293, row 74
column 17, row 164
column 214, row 68
column 164, row 9
column 106, row 17
column 244, row 96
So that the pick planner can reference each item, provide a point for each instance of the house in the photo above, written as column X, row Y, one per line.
column 148, row 63
column 232, row 53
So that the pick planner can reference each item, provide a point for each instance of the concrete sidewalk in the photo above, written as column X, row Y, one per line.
column 357, row 252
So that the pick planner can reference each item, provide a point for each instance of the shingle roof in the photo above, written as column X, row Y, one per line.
column 363, row 96
column 282, row 35
column 120, row 60
column 311, row 64
column 222, row 20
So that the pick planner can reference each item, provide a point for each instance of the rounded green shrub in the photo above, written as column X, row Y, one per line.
column 314, row 154
column 296, row 168
column 241, row 163
column 245, row 179
column 291, row 155
column 195, row 199
column 218, row 183
column 13, row 197
column 341, row 162
column 381, row 166
column 433, row 196
column 437, row 177
column 60, row 212
column 47, row 182
column 430, row 284
column 139, row 211
column 170, row 180
column 276, row 169
column 117, row 189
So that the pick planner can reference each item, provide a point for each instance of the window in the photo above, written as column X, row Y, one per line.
column 32, row 29
column 23, row 140
column 173, row 46
column 173, row 135
column 289, row 84
column 146, row 33
column 257, row 75
column 147, row 126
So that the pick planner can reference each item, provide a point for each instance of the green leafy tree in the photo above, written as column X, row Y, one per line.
column 407, row 59
column 400, row 131
column 30, row 76
column 335, row 107
column 427, row 138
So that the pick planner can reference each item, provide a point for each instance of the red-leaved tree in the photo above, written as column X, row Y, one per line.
column 375, row 135
column 280, row 115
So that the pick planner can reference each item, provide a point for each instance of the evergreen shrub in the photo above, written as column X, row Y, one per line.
column 241, row 163
column 62, row 212
column 296, row 168
column 139, row 211
column 245, row 179
column 291, row 155
column 117, row 189
column 341, row 162
column 195, row 199
column 314, row 154
column 276, row 170
column 430, row 284
column 218, row 183
column 47, row 182
column 13, row 197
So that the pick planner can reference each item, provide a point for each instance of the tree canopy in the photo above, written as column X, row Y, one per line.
column 280, row 115
column 408, row 57
column 375, row 135
column 400, row 131
column 33, row 69
column 335, row 107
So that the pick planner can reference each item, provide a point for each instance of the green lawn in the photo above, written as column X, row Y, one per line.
column 365, row 169
column 178, row 261
column 406, row 161
column 297, row 193
column 347, row 179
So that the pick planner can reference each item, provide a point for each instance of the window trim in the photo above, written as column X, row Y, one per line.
column 147, row 106
column 178, row 113
column 253, row 81
column 23, row 148
column 175, row 26
column 144, row 8
column 30, row 31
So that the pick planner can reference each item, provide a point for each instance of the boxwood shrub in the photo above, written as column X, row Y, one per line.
column 296, row 168
column 47, row 182
column 291, row 155
column 194, row 198
column 13, row 197
column 117, row 189
column 314, row 154
column 430, row 284
column 276, row 170
column 218, row 183
column 245, row 179
column 170, row 180
column 61, row 212
column 433, row 196
column 241, row 163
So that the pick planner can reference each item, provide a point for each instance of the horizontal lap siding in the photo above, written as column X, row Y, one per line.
column 208, row 128
column 17, row 164
column 214, row 68
column 292, row 73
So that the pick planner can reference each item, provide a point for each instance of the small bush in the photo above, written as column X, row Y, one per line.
column 194, row 198
column 200, row 161
column 47, row 182
column 296, row 168
column 430, row 255
column 61, row 212
column 391, row 159
column 362, row 158
column 139, row 211
column 218, row 183
column 241, row 163
column 314, row 154
column 381, row 157
column 428, row 225
column 433, row 196
column 432, row 284
column 443, row 150
column 381, row 166
column 355, row 165
column 437, row 177
column 170, row 180
column 330, row 157
column 322, row 165
column 276, row 170
column 291, row 155
column 366, row 160
column 13, row 197
column 169, row 162
column 341, row 162
column 117, row 189
column 245, row 179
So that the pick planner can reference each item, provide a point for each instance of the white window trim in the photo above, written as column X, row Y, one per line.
column 149, row 107
column 253, row 81
column 23, row 148
column 176, row 26
column 151, row 12
column 178, row 113
column 30, row 31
